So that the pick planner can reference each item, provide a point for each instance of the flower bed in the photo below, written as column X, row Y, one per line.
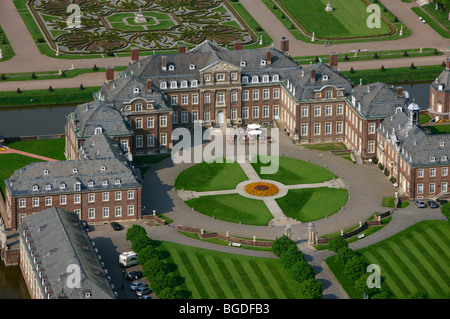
column 261, row 189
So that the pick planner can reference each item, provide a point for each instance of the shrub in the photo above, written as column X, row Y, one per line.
column 140, row 242
column 81, row 86
column 355, row 267
column 412, row 67
column 380, row 166
column 40, row 40
column 376, row 56
column 374, row 159
column 445, row 209
column 301, row 271
column 382, row 69
column 50, row 89
column 345, row 254
column 392, row 179
column 95, row 68
column 361, row 285
column 383, row 294
column 18, row 91
column 3, row 77
column 311, row 288
column 146, row 254
column 419, row 295
column 436, row 52
column 167, row 293
column 33, row 76
column 405, row 53
column 291, row 256
column 258, row 28
column 346, row 58
column 135, row 230
column 283, row 16
column 386, row 172
column 337, row 243
column 352, row 70
column 281, row 244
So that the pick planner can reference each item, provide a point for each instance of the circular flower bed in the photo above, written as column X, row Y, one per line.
column 261, row 189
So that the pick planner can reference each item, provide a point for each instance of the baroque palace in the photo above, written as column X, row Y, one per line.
column 135, row 114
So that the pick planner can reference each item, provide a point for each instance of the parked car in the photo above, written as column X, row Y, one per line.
column 85, row 224
column 420, row 203
column 147, row 297
column 442, row 201
column 138, row 284
column 116, row 226
column 134, row 275
column 143, row 291
column 432, row 204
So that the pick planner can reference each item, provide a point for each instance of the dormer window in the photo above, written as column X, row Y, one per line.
column 245, row 79
column 103, row 168
column 173, row 84
column 98, row 130
column 105, row 183
column 46, row 172
column 442, row 144
column 171, row 67
column 325, row 78
column 192, row 67
column 77, row 186
column 184, row 84
column 35, row 188
column 163, row 85
column 136, row 90
column 263, row 62
column 265, row 78
column 433, row 159
column 194, row 83
column 75, row 170
column 62, row 186
column 48, row 187
column 117, row 182
column 444, row 158
column 255, row 79
column 243, row 63
column 90, row 184
column 275, row 78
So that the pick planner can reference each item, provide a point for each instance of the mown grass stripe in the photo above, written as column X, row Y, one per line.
column 428, row 266
column 421, row 272
column 209, row 273
column 400, row 263
column 392, row 280
column 285, row 287
column 245, row 279
column 280, row 287
column 263, row 280
column 244, row 291
column 441, row 244
column 192, row 277
column 227, row 278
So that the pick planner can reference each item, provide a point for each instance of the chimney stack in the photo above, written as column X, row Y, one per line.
column 149, row 86
column 312, row 76
column 399, row 91
column 181, row 48
column 238, row 46
column 134, row 55
column 284, row 44
column 269, row 57
column 333, row 59
column 109, row 74
column 447, row 64
column 164, row 62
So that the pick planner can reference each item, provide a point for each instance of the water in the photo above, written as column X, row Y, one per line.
column 12, row 284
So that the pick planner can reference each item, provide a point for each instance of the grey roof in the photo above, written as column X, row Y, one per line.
column 376, row 100
column 101, row 146
column 415, row 146
column 443, row 79
column 55, row 173
column 59, row 241
column 91, row 115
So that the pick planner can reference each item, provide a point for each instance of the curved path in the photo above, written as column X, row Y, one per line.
column 367, row 187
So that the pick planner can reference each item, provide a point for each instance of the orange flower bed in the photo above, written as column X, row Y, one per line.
column 261, row 189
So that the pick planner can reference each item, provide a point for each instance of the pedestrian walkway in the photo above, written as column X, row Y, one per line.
column 13, row 151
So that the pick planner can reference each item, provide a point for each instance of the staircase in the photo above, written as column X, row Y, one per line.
column 357, row 157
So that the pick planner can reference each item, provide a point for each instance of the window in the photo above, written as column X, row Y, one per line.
column 245, row 112
column 233, row 114
column 304, row 111
column 444, row 171
column 206, row 116
column 275, row 111
column 35, row 202
column 138, row 140
column 184, row 117
column 36, row 188
column 105, row 197
column 432, row 187
column 118, row 196
column 419, row 188
column 105, row 212
column 163, row 139
column 138, row 107
column 276, row 93
column 444, row 187
column 432, row 172
column 139, row 123
column 255, row 112
column 78, row 212
column 371, row 128
column 275, row 78
column 163, row 121
column 118, row 211
column 245, row 95
column 184, row 84
column 175, row 117
column 304, row 129
column 255, row 95
column 233, row 97
column 77, row 198
column 62, row 200
column 420, row 173
column 194, row 83
column 103, row 168
column 194, row 116
column 77, row 186
column 234, row 76
column 340, row 109
column 371, row 146
column 266, row 94
column 220, row 98
column 262, row 62
column 194, row 98
column 317, row 129
column 163, row 85
column 242, row 63
column 339, row 127
column 22, row 202
column 150, row 140
column 150, row 122
column 245, row 79
column 206, row 98
column 220, row 77
column 48, row 201
column 327, row 128
column 184, row 99
column 265, row 111
column 328, row 110
column 130, row 210
column 316, row 110
column 265, row 78
column 91, row 213
column 329, row 94
column 192, row 67
column 173, row 100
column 91, row 198
column 173, row 84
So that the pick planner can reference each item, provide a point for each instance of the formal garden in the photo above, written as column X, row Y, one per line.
column 302, row 190
column 112, row 27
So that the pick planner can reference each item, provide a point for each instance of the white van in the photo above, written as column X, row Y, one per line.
column 128, row 259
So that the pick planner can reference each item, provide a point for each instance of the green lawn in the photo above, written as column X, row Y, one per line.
column 439, row 129
column 211, row 176
column 416, row 259
column 52, row 148
column 9, row 163
column 309, row 204
column 207, row 274
column 292, row 171
column 326, row 146
column 441, row 31
column 390, row 202
column 346, row 21
column 233, row 208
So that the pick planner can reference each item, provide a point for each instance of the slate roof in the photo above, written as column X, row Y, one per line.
column 376, row 100
column 21, row 182
column 415, row 146
column 101, row 146
column 443, row 79
column 60, row 240
column 89, row 116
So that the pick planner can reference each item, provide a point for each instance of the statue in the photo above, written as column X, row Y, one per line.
column 140, row 18
column 328, row 8
column 1, row 54
column 313, row 37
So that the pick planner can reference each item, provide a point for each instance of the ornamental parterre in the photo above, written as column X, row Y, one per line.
column 261, row 189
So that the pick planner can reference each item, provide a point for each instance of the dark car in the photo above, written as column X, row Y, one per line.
column 432, row 204
column 134, row 275
column 420, row 203
column 137, row 284
column 116, row 226
column 85, row 224
column 142, row 291
column 442, row 201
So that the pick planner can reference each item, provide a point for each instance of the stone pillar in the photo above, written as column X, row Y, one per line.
column 312, row 235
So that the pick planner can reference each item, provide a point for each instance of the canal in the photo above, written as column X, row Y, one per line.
column 43, row 120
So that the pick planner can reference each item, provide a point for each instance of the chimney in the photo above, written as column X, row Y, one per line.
column 164, row 62
column 134, row 55
column 182, row 48
column 238, row 46
column 109, row 74
column 333, row 59
column 447, row 64
column 149, row 86
column 399, row 91
column 269, row 57
column 284, row 44
column 312, row 76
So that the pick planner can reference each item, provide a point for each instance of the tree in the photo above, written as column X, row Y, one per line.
column 18, row 91
column 95, row 68
column 139, row 242
column 146, row 254
column 361, row 285
column 419, row 295
column 81, row 86
column 346, row 58
column 405, row 53
column 375, row 56
column 355, row 267
column 160, row 281
column 153, row 266
column 135, row 230
column 345, row 254
column 281, row 244
column 33, row 76
column 352, row 70
column 316, row 59
column 445, row 209
column 3, row 77
column 50, row 89
column 412, row 67
column 383, row 294
column 311, row 288
column 382, row 68
column 301, row 271
column 167, row 293
column 291, row 256
column 336, row 243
